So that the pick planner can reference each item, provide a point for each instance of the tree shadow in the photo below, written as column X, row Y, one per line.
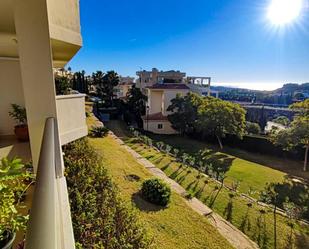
column 214, row 197
column 261, row 235
column 199, row 193
column 190, row 184
column 158, row 160
column 165, row 166
column 228, row 211
column 144, row 205
column 246, row 221
column 177, row 172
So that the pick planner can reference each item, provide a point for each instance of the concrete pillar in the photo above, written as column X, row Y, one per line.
column 32, row 30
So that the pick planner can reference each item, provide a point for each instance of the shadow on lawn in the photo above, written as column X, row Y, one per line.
column 144, row 205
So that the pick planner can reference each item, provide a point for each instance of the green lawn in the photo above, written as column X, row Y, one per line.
column 248, row 173
column 174, row 227
column 254, row 220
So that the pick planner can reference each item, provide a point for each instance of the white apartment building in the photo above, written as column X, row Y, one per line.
column 163, row 86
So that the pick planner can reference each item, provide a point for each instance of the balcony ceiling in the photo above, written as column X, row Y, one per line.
column 63, row 50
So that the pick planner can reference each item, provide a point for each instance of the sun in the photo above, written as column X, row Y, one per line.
column 281, row 12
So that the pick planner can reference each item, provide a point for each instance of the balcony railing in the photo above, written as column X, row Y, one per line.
column 50, row 224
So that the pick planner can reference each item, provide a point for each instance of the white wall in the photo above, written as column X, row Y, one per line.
column 155, row 101
column 168, row 96
column 153, row 127
column 11, row 92
column 71, row 117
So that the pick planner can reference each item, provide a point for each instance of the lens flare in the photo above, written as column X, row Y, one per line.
column 281, row 12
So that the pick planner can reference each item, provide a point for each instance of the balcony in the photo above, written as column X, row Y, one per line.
column 63, row 24
column 71, row 117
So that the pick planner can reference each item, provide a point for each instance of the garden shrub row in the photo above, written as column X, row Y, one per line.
column 101, row 219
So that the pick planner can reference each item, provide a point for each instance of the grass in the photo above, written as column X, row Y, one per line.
column 252, row 219
column 174, row 227
column 250, row 175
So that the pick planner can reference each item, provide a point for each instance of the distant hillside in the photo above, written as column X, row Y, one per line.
column 284, row 96
column 286, row 88
column 293, row 87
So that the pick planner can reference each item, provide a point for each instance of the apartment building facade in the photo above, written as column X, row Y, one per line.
column 161, row 87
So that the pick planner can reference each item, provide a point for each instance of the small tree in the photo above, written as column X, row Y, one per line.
column 218, row 118
column 253, row 128
column 175, row 152
column 297, row 134
column 271, row 196
column 168, row 148
column 136, row 103
column 283, row 120
column 293, row 212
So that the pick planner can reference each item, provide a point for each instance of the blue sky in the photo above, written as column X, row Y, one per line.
column 230, row 40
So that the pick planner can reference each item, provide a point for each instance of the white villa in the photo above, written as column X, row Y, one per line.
column 163, row 86
column 122, row 89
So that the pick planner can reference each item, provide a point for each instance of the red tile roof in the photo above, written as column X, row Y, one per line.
column 170, row 86
column 155, row 116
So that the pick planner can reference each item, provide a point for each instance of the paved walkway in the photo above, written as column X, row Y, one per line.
column 236, row 238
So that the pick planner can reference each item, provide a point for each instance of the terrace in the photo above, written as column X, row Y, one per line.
column 35, row 37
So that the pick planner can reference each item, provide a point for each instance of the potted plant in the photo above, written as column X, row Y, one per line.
column 11, row 181
column 21, row 129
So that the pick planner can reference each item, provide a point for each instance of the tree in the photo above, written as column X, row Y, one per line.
column 272, row 197
column 136, row 103
column 218, row 117
column 297, row 134
column 184, row 112
column 283, row 120
column 253, row 128
column 105, row 84
column 80, row 82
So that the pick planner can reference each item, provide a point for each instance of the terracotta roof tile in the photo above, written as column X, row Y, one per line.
column 170, row 86
column 155, row 116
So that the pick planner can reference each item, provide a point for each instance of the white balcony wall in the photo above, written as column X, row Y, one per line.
column 71, row 117
column 64, row 20
column 11, row 92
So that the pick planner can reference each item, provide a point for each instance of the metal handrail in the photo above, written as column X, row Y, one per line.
column 50, row 224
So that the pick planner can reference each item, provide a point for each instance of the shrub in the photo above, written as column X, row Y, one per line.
column 63, row 85
column 101, row 219
column 99, row 131
column 253, row 128
column 156, row 191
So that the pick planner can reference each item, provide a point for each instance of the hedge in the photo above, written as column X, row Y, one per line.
column 101, row 219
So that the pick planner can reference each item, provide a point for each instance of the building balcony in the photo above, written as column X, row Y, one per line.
column 63, row 26
column 71, row 117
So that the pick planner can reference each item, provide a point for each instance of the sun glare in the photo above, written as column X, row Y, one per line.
column 281, row 12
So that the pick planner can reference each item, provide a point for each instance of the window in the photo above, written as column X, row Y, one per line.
column 160, row 126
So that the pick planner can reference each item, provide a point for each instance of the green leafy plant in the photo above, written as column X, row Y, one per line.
column 156, row 191
column 63, row 85
column 18, row 114
column 101, row 219
column 99, row 131
column 12, row 188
